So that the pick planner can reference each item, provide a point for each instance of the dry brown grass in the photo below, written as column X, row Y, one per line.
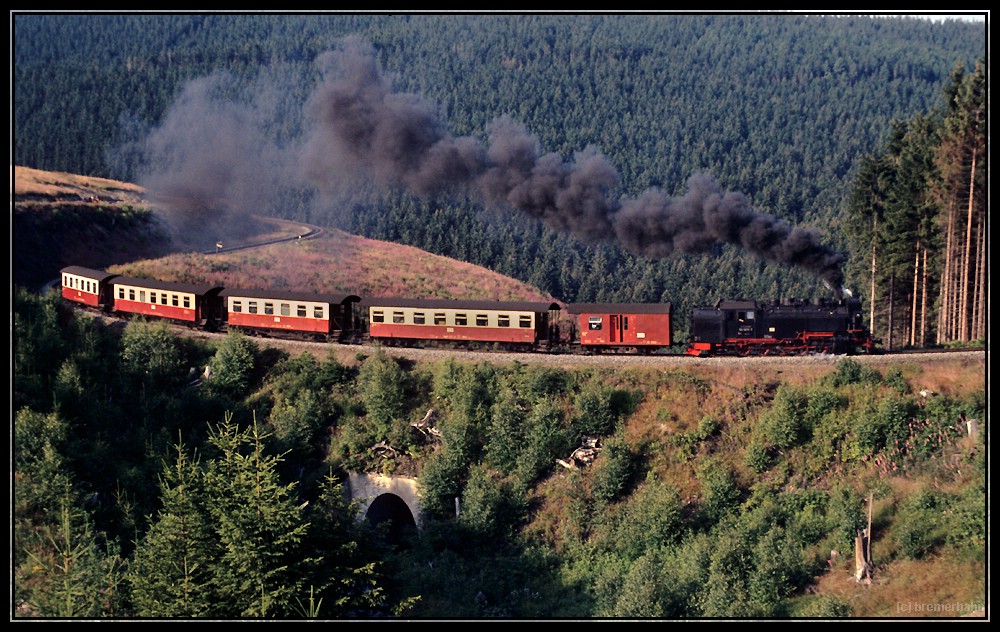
column 337, row 262
column 27, row 184
column 933, row 587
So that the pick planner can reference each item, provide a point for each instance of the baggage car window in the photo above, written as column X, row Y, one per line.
column 594, row 323
column 378, row 316
column 461, row 319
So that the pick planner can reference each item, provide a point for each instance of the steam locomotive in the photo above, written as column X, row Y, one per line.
column 746, row 328
column 779, row 328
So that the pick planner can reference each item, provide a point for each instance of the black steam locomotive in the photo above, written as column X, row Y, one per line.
column 752, row 328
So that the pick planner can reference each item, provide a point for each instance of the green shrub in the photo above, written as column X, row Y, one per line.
column 719, row 493
column 652, row 518
column 546, row 439
column 613, row 471
column 966, row 518
column 917, row 521
column 491, row 506
column 850, row 371
column 233, row 365
column 845, row 515
column 784, row 424
column 758, row 458
column 594, row 413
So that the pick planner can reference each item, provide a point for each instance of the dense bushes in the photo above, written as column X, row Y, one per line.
column 673, row 516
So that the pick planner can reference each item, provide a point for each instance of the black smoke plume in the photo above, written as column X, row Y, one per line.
column 362, row 127
column 213, row 166
column 209, row 168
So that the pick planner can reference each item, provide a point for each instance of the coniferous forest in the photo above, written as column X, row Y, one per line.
column 157, row 476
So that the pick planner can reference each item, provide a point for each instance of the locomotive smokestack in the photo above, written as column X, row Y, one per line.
column 839, row 292
column 362, row 127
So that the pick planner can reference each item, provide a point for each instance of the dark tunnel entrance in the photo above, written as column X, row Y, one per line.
column 389, row 512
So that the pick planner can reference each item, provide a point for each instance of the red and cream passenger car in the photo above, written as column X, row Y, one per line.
column 513, row 325
column 86, row 286
column 633, row 327
column 182, row 302
column 298, row 314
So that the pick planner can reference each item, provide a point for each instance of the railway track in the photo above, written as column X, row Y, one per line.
column 308, row 232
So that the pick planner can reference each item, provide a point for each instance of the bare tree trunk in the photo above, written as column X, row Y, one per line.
column 892, row 289
column 964, row 312
column 916, row 291
column 923, row 303
column 978, row 297
column 944, row 322
column 871, row 296
column 863, row 566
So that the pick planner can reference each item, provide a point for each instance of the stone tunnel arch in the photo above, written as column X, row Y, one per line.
column 391, row 499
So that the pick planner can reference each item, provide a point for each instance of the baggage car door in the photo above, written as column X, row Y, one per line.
column 618, row 326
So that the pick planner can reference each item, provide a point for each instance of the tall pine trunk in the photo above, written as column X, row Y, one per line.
column 964, row 312
column 916, row 292
column 871, row 295
column 979, row 294
column 923, row 302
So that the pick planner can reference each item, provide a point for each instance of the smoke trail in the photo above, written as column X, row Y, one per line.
column 362, row 128
column 208, row 165
column 212, row 166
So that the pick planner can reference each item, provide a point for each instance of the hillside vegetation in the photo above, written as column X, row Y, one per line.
column 718, row 490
